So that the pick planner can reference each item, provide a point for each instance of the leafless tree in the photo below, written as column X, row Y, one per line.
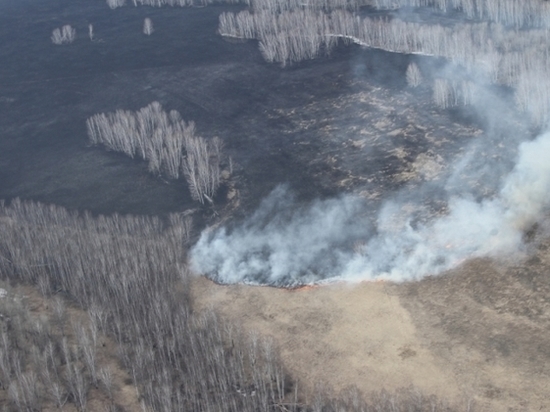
column 414, row 77
column 78, row 386
column 88, row 350
column 201, row 168
column 442, row 93
column 59, row 316
column 106, row 379
column 29, row 391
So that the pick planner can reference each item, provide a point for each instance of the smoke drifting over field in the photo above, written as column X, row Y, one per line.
column 281, row 244
column 491, row 198
column 285, row 246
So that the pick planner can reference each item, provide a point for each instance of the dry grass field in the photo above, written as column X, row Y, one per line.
column 476, row 335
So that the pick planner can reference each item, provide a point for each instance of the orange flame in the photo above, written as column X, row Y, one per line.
column 302, row 288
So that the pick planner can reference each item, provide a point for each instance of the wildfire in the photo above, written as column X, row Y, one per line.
column 302, row 288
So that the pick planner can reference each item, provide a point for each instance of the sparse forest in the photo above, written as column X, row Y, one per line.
column 497, row 52
column 497, row 41
column 147, row 26
column 130, row 274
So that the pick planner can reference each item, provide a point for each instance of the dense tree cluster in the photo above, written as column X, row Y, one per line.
column 484, row 45
column 181, row 3
column 451, row 93
column 286, row 37
column 485, row 51
column 516, row 13
column 272, row 5
column 113, row 4
column 166, row 141
column 414, row 76
column 63, row 35
column 278, row 6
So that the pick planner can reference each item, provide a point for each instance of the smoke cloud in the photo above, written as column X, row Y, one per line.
column 284, row 244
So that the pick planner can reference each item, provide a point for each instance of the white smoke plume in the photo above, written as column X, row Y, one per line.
column 286, row 246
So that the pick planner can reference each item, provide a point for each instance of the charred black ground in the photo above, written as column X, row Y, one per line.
column 344, row 123
column 308, row 125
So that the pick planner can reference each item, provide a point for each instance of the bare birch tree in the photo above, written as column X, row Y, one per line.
column 414, row 77
column 148, row 26
column 442, row 93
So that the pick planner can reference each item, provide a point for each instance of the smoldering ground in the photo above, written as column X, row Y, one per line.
column 494, row 191
column 284, row 244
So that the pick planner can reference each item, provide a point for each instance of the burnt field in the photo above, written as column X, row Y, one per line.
column 344, row 131
column 340, row 123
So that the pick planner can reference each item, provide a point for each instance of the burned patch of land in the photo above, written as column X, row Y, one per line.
column 343, row 123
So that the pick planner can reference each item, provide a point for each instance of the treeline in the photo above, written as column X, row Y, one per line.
column 501, row 53
column 279, row 6
column 515, row 58
column 286, row 37
column 130, row 274
column 516, row 13
column 452, row 93
column 113, row 4
column 273, row 5
column 166, row 141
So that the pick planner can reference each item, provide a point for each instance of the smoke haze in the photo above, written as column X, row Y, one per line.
column 286, row 245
